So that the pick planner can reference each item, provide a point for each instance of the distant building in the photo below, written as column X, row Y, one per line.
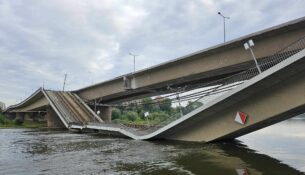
column 2, row 105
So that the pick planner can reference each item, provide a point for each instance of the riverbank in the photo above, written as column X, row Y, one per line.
column 8, row 123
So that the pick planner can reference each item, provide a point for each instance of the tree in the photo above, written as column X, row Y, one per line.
column 132, row 116
column 2, row 119
column 159, row 116
column 18, row 122
column 116, row 113
column 191, row 106
column 148, row 104
column 166, row 105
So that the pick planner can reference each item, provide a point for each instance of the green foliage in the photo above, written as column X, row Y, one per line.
column 7, row 123
column 166, row 105
column 148, row 104
column 2, row 119
column 191, row 106
column 159, row 111
column 159, row 116
column 18, row 122
column 116, row 121
column 132, row 116
column 116, row 113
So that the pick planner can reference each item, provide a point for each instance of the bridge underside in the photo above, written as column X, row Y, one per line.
column 200, row 67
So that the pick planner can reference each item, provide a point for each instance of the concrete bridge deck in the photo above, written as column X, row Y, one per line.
column 210, row 64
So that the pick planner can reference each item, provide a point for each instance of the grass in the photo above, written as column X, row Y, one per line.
column 34, row 124
column 138, row 122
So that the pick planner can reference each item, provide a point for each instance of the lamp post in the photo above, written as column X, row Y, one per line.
column 63, row 87
column 247, row 46
column 224, row 25
column 134, row 61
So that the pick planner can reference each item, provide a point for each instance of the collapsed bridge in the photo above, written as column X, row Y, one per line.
column 234, row 90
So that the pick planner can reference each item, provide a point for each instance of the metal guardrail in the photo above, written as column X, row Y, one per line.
column 224, row 85
column 69, row 113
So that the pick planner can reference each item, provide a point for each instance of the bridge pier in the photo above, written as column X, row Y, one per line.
column 105, row 113
column 29, row 116
column 53, row 120
column 19, row 116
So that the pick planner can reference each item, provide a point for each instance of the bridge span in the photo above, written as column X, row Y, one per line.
column 246, row 100
column 273, row 96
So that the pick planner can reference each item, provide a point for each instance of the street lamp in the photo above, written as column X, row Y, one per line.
column 63, row 87
column 134, row 61
column 224, row 25
column 247, row 46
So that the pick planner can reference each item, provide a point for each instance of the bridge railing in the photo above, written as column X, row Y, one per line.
column 233, row 81
column 211, row 90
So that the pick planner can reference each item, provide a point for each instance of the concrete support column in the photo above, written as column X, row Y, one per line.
column 105, row 113
column 28, row 116
column 53, row 120
column 20, row 116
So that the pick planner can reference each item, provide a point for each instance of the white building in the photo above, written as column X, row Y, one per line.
column 2, row 105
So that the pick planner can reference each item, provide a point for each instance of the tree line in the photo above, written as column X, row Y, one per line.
column 157, row 110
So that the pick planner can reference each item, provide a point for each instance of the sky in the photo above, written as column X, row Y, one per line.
column 90, row 40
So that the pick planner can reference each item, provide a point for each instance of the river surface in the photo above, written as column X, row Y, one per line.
column 278, row 149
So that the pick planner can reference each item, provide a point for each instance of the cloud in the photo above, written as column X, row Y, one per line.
column 40, row 41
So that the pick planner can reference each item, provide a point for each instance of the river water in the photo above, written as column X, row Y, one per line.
column 278, row 149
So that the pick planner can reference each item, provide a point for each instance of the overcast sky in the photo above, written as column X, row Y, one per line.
column 41, row 40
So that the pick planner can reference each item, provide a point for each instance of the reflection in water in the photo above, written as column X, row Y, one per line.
column 60, row 152
column 284, row 141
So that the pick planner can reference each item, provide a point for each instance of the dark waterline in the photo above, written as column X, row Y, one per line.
column 278, row 149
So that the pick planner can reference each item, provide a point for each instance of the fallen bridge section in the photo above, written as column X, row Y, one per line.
column 267, row 98
column 70, row 109
column 271, row 97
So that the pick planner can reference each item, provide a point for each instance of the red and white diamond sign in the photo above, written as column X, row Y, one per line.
column 241, row 118
column 242, row 171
